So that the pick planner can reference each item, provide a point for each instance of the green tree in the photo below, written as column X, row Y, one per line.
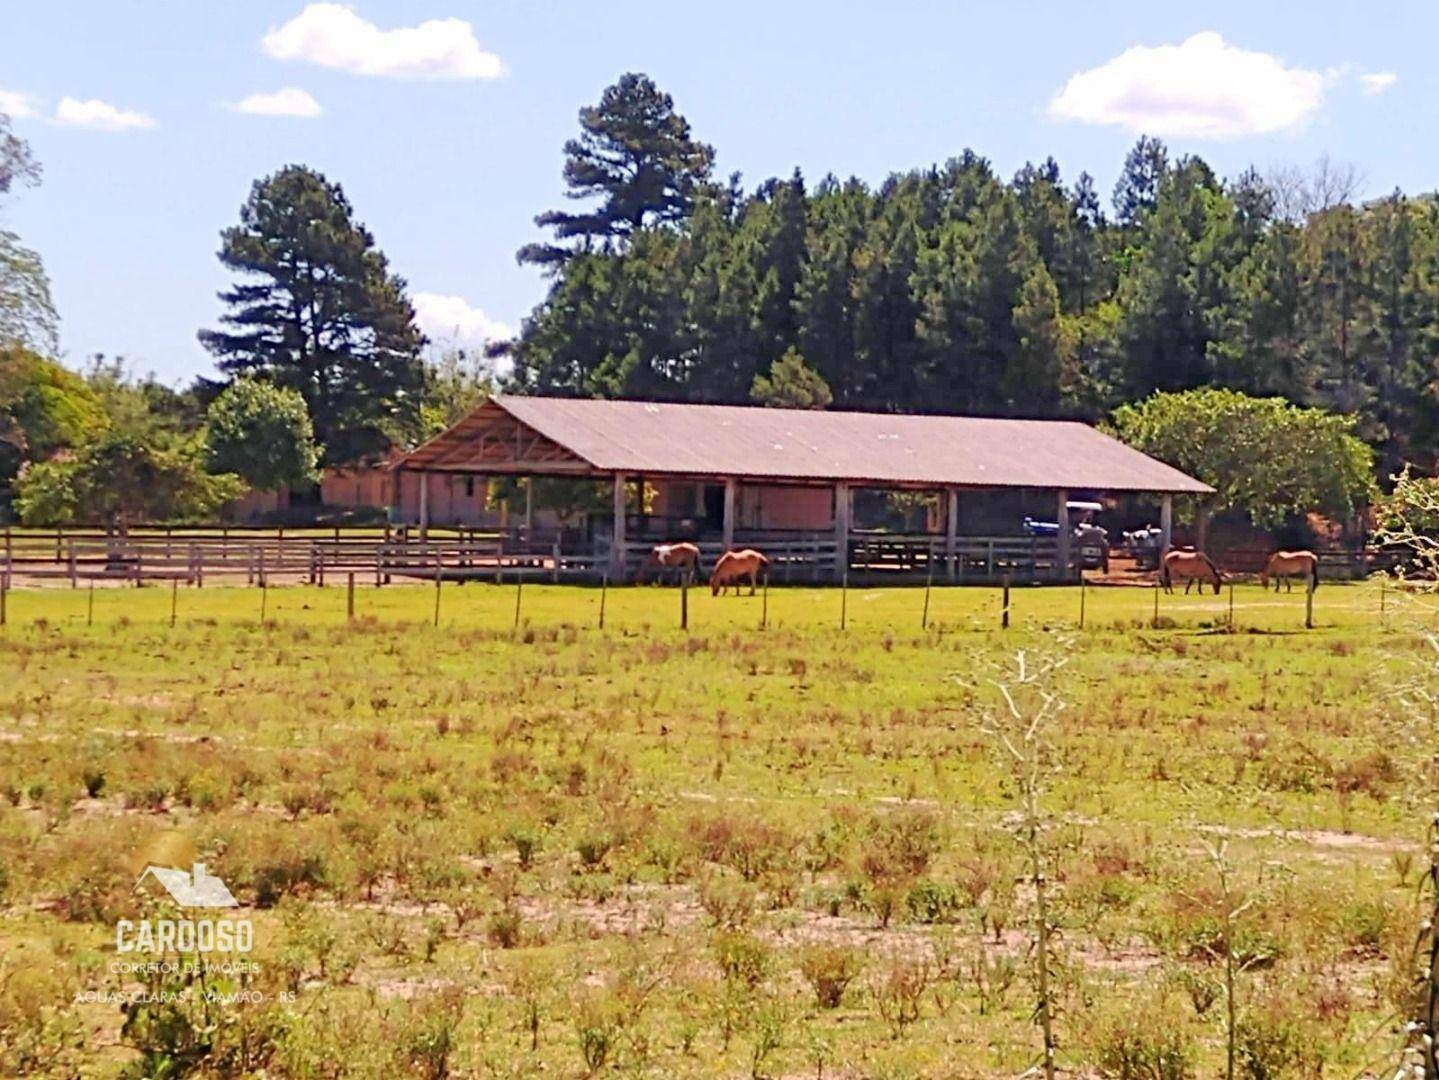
column 791, row 384
column 44, row 408
column 27, row 313
column 1038, row 371
column 119, row 479
column 456, row 383
column 318, row 311
column 636, row 156
column 262, row 433
column 1136, row 192
column 1264, row 456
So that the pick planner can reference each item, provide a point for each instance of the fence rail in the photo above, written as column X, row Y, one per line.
column 310, row 554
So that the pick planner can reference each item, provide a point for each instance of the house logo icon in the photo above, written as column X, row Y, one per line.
column 195, row 887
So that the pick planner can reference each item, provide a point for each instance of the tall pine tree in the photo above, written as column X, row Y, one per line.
column 317, row 310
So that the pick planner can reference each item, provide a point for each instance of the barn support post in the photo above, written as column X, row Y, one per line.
column 1166, row 524
column 617, row 551
column 1062, row 538
column 424, row 504
column 841, row 529
column 727, row 526
column 951, row 530
column 529, row 507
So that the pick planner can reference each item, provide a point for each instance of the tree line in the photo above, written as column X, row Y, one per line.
column 953, row 289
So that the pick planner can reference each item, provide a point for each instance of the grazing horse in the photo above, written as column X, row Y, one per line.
column 1288, row 565
column 734, row 566
column 1192, row 566
column 683, row 558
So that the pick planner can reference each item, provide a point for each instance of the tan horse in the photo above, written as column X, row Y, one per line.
column 683, row 558
column 1191, row 566
column 734, row 566
column 1288, row 565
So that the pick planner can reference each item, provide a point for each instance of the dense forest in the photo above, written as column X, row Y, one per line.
column 952, row 289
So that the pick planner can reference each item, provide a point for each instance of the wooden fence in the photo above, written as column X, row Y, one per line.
column 75, row 555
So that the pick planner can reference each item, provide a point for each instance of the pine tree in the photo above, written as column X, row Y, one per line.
column 318, row 311
column 636, row 156
column 1137, row 190
column 791, row 384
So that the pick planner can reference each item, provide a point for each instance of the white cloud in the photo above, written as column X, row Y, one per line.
column 290, row 101
column 1201, row 88
column 333, row 36
column 1376, row 82
column 97, row 115
column 451, row 320
column 16, row 105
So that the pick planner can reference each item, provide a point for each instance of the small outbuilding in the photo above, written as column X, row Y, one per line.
column 786, row 481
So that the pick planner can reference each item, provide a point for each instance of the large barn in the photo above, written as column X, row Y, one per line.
column 786, row 481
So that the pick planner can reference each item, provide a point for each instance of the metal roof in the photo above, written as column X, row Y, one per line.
column 797, row 444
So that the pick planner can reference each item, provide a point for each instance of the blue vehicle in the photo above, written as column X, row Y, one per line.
column 1091, row 542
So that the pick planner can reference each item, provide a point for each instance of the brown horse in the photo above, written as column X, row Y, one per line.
column 1191, row 566
column 734, row 566
column 683, row 558
column 1288, row 565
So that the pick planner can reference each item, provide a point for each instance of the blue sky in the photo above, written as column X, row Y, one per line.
column 448, row 138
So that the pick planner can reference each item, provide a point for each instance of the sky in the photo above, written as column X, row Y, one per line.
column 444, row 120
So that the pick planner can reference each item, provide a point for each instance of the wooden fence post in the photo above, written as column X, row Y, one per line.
column 174, row 599
column 519, row 592
column 350, row 596
column 439, row 566
column 844, row 595
column 90, row 605
column 1231, row 605
column 1309, row 604
column 1082, row 593
column 928, row 581
column 264, row 599
column 604, row 588
column 1154, row 622
column 684, row 600
column 764, row 605
column 1004, row 610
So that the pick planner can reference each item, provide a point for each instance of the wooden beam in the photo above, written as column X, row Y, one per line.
column 1062, row 538
column 841, row 528
column 621, row 504
column 951, row 529
column 424, row 503
column 727, row 522
column 1166, row 523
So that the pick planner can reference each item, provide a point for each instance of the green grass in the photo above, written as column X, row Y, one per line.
column 446, row 833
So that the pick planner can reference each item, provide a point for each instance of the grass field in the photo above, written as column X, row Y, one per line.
column 481, row 849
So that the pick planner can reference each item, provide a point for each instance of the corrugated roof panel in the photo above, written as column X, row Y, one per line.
column 880, row 448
